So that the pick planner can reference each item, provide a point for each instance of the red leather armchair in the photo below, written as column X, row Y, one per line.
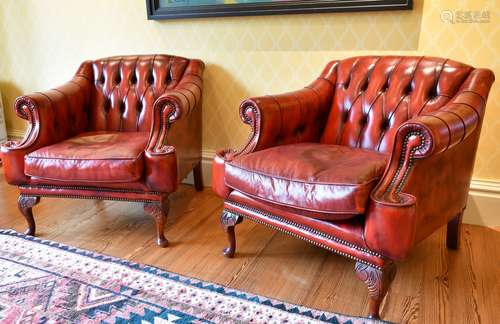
column 367, row 161
column 124, row 128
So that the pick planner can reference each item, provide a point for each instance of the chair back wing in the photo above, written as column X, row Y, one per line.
column 126, row 88
column 374, row 95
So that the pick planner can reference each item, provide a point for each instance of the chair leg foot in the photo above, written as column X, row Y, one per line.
column 453, row 232
column 158, row 211
column 228, row 221
column 25, row 205
column 198, row 177
column 378, row 282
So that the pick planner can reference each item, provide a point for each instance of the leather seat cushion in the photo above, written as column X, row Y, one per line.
column 91, row 157
column 328, row 181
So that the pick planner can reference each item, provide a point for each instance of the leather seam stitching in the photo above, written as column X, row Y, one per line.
column 476, row 93
column 468, row 105
column 82, row 76
column 189, row 103
column 447, row 126
column 327, row 80
column 463, row 123
column 304, row 181
column 190, row 82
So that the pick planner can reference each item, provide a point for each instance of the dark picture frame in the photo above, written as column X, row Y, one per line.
column 155, row 11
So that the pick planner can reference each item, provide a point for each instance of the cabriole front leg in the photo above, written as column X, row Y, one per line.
column 25, row 204
column 378, row 282
column 159, row 211
column 228, row 221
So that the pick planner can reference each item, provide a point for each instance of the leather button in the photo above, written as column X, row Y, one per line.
column 385, row 124
column 363, row 120
column 365, row 85
column 408, row 89
column 433, row 93
column 385, row 86
column 345, row 116
column 151, row 78
column 122, row 107
column 107, row 104
column 346, row 83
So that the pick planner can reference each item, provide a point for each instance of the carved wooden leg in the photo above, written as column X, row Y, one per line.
column 198, row 178
column 228, row 220
column 453, row 232
column 159, row 212
column 378, row 282
column 25, row 203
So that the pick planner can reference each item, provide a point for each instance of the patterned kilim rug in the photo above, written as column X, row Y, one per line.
column 47, row 282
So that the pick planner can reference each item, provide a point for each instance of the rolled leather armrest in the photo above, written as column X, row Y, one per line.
column 175, row 104
column 172, row 106
column 433, row 133
column 392, row 215
column 288, row 118
column 292, row 117
column 52, row 116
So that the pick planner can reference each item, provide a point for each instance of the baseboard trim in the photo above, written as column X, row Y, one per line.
column 16, row 133
column 482, row 207
column 485, row 186
column 483, row 204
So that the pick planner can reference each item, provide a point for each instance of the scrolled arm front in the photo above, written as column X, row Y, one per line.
column 52, row 116
column 437, row 147
column 173, row 109
column 293, row 117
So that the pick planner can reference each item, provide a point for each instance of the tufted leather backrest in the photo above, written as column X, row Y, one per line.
column 126, row 88
column 374, row 95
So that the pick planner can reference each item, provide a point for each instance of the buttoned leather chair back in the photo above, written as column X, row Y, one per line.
column 113, row 94
column 375, row 95
column 125, row 89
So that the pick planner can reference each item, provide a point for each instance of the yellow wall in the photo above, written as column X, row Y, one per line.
column 43, row 42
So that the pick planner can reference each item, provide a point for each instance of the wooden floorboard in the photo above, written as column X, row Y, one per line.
column 435, row 285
